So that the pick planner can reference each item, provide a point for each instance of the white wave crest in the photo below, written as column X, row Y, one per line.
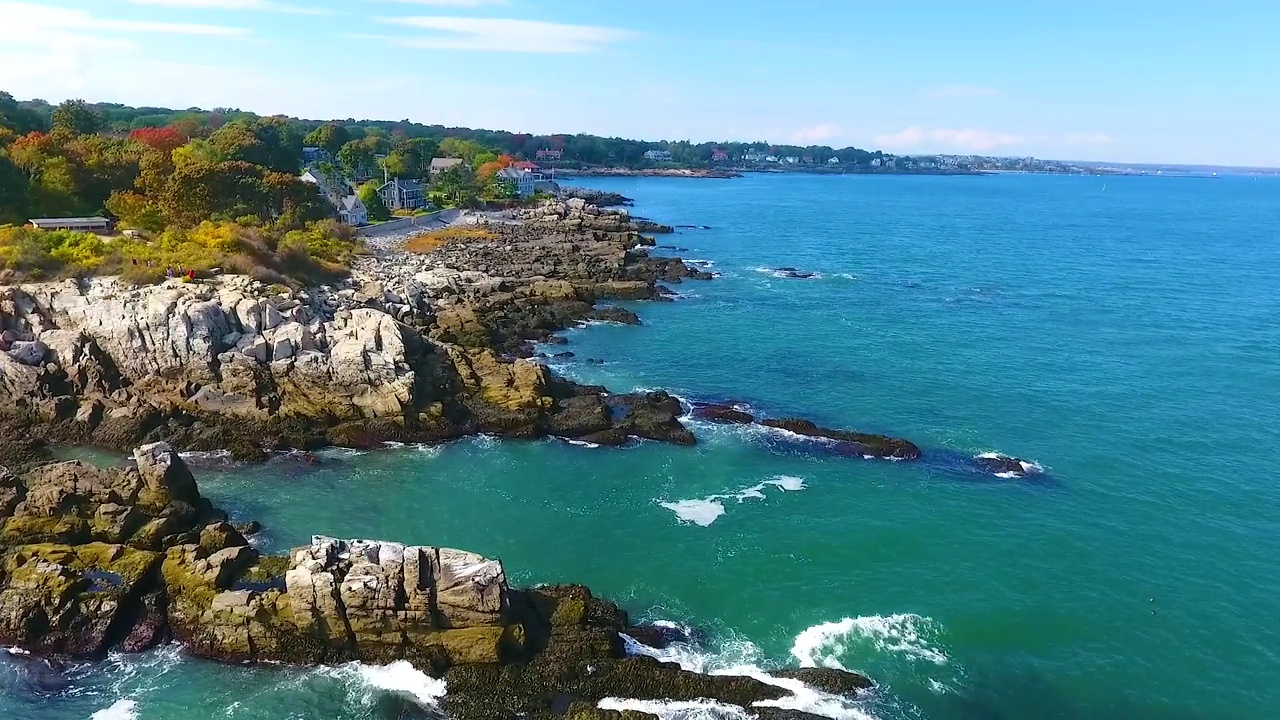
column 17, row 651
column 679, row 710
column 581, row 443
column 429, row 450
column 825, row 645
column 486, row 442
column 707, row 510
column 340, row 453
column 404, row 679
column 119, row 710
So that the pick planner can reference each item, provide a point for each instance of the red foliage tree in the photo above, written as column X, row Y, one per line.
column 167, row 139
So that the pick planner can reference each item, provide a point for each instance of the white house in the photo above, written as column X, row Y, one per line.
column 834, row 160
column 353, row 212
column 525, row 181
column 658, row 155
column 439, row 165
column 86, row 224
column 791, row 160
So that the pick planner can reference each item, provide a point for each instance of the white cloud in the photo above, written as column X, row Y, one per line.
column 27, row 20
column 963, row 91
column 816, row 134
column 450, row 3
column 969, row 140
column 504, row 35
column 1089, row 139
column 264, row 5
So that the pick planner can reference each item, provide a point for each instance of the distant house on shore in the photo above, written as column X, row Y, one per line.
column 83, row 224
column 439, row 165
column 771, row 158
column 719, row 156
column 658, row 155
column 526, row 166
column 313, row 154
column 400, row 194
column 833, row 161
column 791, row 160
column 353, row 212
column 525, row 182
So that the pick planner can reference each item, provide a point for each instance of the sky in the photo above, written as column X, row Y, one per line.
column 1176, row 81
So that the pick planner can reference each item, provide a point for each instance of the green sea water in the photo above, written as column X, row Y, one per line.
column 1123, row 333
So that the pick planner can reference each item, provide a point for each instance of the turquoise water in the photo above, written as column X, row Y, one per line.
column 1124, row 333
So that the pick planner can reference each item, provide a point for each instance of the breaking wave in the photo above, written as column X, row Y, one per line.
column 119, row 710
column 830, row 644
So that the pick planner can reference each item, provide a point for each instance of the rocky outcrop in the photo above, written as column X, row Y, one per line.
column 577, row 213
column 600, row 198
column 727, row 414
column 94, row 560
column 846, row 442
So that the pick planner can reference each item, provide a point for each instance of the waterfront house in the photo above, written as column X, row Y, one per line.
column 658, row 156
column 353, row 212
column 526, row 166
column 400, row 194
column 313, row 154
column 719, row 156
column 525, row 182
column 439, row 165
column 833, row 161
column 791, row 160
column 82, row 224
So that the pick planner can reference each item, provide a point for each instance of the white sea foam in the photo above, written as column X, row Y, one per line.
column 340, row 453
column 707, row 510
column 581, row 443
column 788, row 275
column 1028, row 467
column 17, row 651
column 698, row 512
column 679, row 710
column 825, row 645
column 392, row 444
column 119, row 710
column 430, row 450
column 403, row 679
column 736, row 658
column 486, row 442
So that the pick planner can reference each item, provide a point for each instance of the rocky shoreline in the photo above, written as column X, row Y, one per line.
column 95, row 560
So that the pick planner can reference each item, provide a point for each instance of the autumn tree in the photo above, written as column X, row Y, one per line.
column 77, row 118
column 167, row 139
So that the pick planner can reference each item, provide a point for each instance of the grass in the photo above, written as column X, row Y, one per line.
column 429, row 242
column 319, row 252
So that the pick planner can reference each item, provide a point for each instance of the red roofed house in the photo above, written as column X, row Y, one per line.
column 719, row 156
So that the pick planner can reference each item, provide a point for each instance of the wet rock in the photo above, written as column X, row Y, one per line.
column 616, row 315
column 836, row 682
column 850, row 443
column 1005, row 466
column 722, row 413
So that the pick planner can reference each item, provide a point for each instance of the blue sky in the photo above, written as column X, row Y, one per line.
column 1174, row 81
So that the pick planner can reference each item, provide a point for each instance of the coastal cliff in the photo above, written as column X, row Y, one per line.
column 129, row 558
column 412, row 348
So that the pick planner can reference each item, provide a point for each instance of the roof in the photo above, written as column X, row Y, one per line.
column 351, row 202
column 525, row 165
column 445, row 163
column 404, row 184
column 79, row 220
column 513, row 173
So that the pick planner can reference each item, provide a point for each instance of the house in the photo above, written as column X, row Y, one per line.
column 549, row 154
column 658, row 156
column 754, row 157
column 771, row 158
column 84, row 224
column 524, row 181
column 807, row 159
column 439, row 165
column 526, row 165
column 876, row 163
column 834, row 160
column 353, row 212
column 791, row 160
column 313, row 154
column 719, row 156
column 400, row 194
column 328, row 186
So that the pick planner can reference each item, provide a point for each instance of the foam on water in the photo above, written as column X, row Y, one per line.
column 581, row 443
column 707, row 510
column 119, row 710
column 739, row 658
column 340, row 453
column 402, row 678
column 698, row 512
column 430, row 450
column 826, row 644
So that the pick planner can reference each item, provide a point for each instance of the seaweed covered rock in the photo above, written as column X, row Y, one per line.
column 849, row 443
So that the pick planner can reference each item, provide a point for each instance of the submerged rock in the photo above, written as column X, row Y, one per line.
column 851, row 443
column 722, row 413
column 1005, row 466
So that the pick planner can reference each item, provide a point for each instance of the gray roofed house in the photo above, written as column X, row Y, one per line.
column 352, row 211
column 403, row 194
column 439, row 165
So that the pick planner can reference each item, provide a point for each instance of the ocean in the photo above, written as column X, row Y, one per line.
column 1123, row 333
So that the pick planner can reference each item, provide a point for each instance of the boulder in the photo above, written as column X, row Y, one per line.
column 850, row 443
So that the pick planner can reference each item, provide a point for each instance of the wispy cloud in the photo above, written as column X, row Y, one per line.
column 963, row 91
column 449, row 3
column 1089, row 139
column 262, row 5
column 815, row 134
column 27, row 19
column 969, row 140
column 504, row 35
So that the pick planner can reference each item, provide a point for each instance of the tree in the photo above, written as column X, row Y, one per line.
column 330, row 137
column 459, row 148
column 167, row 139
column 77, row 118
column 456, row 186
column 198, row 152
column 373, row 201
column 19, row 119
column 136, row 211
column 356, row 158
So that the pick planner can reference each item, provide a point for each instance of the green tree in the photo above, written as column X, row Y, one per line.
column 456, row 187
column 457, row 147
column 356, row 158
column 330, row 137
column 19, row 119
column 77, row 118
column 373, row 201
column 198, row 152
